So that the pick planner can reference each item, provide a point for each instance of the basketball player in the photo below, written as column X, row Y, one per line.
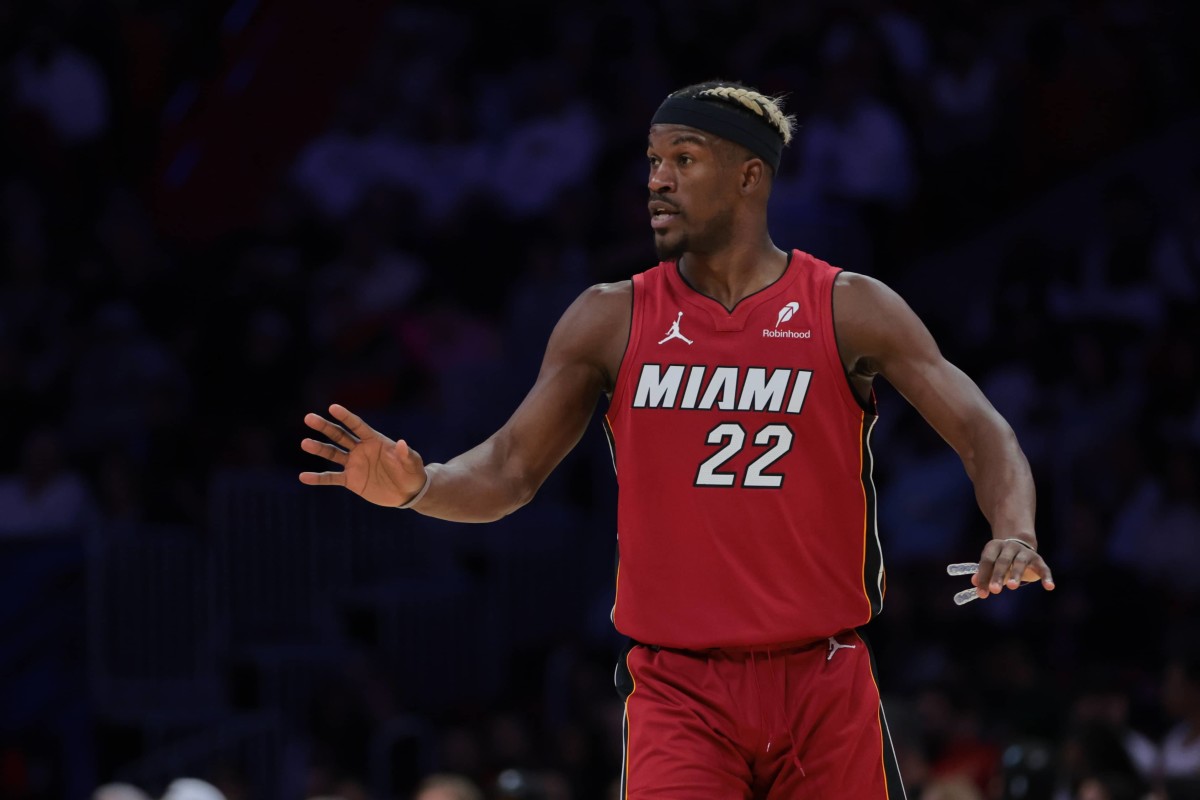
column 738, row 377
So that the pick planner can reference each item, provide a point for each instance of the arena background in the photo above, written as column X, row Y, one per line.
column 218, row 216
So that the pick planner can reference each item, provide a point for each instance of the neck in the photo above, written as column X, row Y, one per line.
column 733, row 274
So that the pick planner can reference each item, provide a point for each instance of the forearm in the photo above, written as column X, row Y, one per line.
column 1004, row 486
column 477, row 486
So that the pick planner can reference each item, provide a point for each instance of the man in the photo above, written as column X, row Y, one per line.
column 739, row 381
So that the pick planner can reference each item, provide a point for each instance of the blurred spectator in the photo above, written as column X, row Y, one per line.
column 335, row 168
column 1132, row 264
column 119, row 791
column 1093, row 393
column 63, row 85
column 1079, row 100
column 959, row 124
column 346, row 789
column 553, row 146
column 1104, row 699
column 904, row 33
column 962, row 97
column 855, row 151
column 374, row 276
column 1154, row 534
column 1027, row 770
column 1094, row 751
column 120, row 370
column 1112, row 786
column 524, row 784
column 955, row 788
column 953, row 733
column 48, row 495
column 1171, row 374
column 927, row 503
column 192, row 789
column 1180, row 749
column 446, row 786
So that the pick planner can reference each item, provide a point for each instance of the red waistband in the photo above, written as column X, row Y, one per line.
column 755, row 649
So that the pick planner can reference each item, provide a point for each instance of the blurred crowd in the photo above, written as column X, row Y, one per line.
column 215, row 217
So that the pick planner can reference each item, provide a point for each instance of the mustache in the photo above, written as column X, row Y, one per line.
column 655, row 197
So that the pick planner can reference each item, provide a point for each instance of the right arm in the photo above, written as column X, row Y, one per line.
column 502, row 473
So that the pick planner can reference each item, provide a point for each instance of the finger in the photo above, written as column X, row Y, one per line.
column 1047, row 577
column 1015, row 575
column 1000, row 570
column 327, row 451
column 1029, row 567
column 323, row 478
column 1038, row 569
column 335, row 433
column 987, row 564
column 351, row 420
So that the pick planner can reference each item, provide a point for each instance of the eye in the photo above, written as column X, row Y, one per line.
column 685, row 159
column 654, row 160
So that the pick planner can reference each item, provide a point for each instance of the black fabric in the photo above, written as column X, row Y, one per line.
column 756, row 135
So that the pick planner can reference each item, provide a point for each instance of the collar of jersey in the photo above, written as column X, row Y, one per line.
column 722, row 318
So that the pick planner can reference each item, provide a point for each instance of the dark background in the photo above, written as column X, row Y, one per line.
column 215, row 217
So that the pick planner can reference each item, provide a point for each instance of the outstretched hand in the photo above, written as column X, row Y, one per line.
column 381, row 471
column 1009, row 564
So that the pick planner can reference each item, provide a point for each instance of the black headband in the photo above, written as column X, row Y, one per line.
column 757, row 135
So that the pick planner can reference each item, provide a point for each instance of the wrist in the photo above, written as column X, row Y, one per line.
column 416, row 498
column 1029, row 542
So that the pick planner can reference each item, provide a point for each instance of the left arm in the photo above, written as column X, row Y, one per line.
column 879, row 334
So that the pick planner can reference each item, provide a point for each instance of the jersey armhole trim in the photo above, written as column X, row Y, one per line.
column 622, row 377
column 869, row 407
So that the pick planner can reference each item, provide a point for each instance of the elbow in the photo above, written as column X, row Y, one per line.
column 520, row 493
column 523, row 493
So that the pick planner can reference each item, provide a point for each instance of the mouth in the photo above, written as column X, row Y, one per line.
column 662, row 215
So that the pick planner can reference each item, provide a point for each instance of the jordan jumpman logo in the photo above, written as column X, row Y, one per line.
column 835, row 645
column 673, row 331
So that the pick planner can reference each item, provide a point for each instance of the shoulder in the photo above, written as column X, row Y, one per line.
column 871, row 320
column 858, row 290
column 595, row 327
column 607, row 291
column 864, row 300
column 604, row 302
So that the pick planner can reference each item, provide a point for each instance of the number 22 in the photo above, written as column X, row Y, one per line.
column 732, row 437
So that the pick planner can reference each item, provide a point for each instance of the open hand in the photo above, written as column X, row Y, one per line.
column 1008, row 564
column 381, row 471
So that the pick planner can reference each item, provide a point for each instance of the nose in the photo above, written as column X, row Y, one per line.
column 661, row 181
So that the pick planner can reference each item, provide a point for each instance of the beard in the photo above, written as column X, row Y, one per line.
column 668, row 250
column 715, row 236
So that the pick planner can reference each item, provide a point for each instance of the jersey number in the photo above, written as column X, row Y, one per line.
column 730, row 436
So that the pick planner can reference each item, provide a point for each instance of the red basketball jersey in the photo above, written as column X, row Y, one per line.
column 746, row 512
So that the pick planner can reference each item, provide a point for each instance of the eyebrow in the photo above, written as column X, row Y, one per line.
column 685, row 138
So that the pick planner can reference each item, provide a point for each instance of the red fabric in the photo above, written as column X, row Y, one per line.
column 743, row 564
column 778, row 724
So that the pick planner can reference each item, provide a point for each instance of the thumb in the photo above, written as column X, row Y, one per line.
column 409, row 458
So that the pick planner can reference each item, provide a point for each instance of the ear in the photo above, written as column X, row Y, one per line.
column 753, row 174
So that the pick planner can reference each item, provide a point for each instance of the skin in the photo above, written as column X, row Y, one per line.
column 719, row 236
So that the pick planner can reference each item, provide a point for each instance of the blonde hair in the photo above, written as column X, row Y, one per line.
column 736, row 94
